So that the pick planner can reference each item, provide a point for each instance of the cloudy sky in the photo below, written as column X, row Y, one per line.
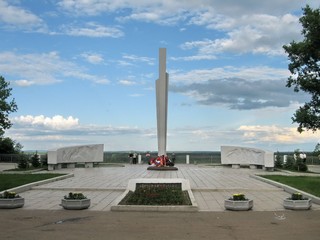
column 84, row 71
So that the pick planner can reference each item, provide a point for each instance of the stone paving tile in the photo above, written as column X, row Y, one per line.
column 210, row 186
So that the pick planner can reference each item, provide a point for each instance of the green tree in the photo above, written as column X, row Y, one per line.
column 316, row 151
column 23, row 161
column 278, row 163
column 7, row 146
column 6, row 106
column 304, row 66
column 289, row 164
column 35, row 160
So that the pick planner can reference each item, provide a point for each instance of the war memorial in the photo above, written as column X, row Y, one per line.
column 208, row 187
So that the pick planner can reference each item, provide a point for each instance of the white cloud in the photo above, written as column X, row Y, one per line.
column 102, row 81
column 134, row 59
column 124, row 63
column 208, row 12
column 93, row 58
column 127, row 82
column 194, row 58
column 264, row 34
column 56, row 122
column 249, row 26
column 41, row 132
column 140, row 9
column 92, row 29
column 35, row 68
column 136, row 95
column 158, row 15
column 23, row 83
column 15, row 16
column 45, row 68
column 248, row 73
column 280, row 135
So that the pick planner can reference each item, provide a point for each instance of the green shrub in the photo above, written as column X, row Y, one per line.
column 297, row 196
column 289, row 164
column 23, row 161
column 75, row 195
column 278, row 163
column 7, row 194
column 301, row 167
column 35, row 160
column 238, row 197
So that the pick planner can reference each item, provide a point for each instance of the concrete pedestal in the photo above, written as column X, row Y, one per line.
column 71, row 165
column 88, row 165
column 187, row 159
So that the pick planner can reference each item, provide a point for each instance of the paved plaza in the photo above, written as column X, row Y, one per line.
column 210, row 186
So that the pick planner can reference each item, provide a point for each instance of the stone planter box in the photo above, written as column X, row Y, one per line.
column 11, row 202
column 238, row 205
column 75, row 204
column 297, row 204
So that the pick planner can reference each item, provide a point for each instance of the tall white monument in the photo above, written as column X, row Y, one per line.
column 162, row 102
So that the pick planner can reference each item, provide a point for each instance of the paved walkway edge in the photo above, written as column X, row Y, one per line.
column 29, row 186
column 287, row 188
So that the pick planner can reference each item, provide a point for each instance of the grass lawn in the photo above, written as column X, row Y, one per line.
column 8, row 181
column 304, row 183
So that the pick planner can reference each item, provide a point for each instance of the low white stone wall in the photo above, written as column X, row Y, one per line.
column 87, row 154
column 236, row 156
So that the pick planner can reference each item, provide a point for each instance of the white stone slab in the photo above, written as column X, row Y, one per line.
column 233, row 155
column 76, row 154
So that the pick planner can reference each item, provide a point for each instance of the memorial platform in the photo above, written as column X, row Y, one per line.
column 210, row 186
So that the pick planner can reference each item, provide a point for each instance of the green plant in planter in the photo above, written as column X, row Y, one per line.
column 297, row 196
column 238, row 197
column 238, row 202
column 11, row 200
column 7, row 194
column 74, row 196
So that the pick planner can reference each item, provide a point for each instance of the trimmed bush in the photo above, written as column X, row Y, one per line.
column 35, row 160
column 23, row 161
column 278, row 163
column 289, row 164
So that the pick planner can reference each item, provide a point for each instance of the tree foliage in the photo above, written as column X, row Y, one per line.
column 23, row 161
column 278, row 163
column 316, row 150
column 304, row 66
column 35, row 160
column 8, row 146
column 6, row 106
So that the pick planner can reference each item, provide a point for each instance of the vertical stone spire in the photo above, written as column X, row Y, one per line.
column 162, row 103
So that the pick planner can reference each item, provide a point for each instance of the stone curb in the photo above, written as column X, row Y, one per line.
column 79, row 189
column 136, row 208
column 287, row 188
column 29, row 186
column 23, row 172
